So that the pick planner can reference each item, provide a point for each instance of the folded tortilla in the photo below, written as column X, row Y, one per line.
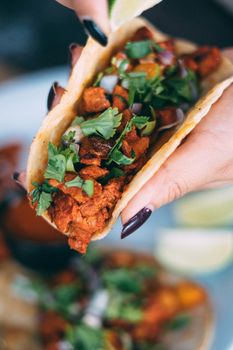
column 94, row 59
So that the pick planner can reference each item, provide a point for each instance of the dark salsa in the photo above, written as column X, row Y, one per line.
column 146, row 89
column 113, row 301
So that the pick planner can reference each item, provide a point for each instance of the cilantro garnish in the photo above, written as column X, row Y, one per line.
column 86, row 185
column 61, row 160
column 69, row 137
column 119, row 158
column 83, row 337
column 104, row 125
column 122, row 306
column 98, row 79
column 56, row 168
column 115, row 154
column 77, row 121
column 139, row 49
column 42, row 194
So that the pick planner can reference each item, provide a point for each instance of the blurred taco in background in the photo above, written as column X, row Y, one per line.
column 126, row 108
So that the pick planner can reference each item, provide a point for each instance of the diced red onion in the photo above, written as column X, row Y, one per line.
column 179, row 119
column 108, row 82
column 136, row 108
column 166, row 57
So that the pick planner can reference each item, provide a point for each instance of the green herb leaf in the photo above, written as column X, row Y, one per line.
column 42, row 195
column 98, row 79
column 44, row 202
column 123, row 307
column 122, row 67
column 77, row 121
column 140, row 121
column 56, row 168
column 149, row 128
column 83, row 337
column 138, row 49
column 76, row 182
column 52, row 150
column 122, row 279
column 86, row 185
column 119, row 158
column 104, row 125
column 69, row 137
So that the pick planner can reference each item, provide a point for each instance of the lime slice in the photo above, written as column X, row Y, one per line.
column 122, row 11
column 206, row 209
column 195, row 250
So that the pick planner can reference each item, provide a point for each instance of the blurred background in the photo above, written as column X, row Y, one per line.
column 192, row 237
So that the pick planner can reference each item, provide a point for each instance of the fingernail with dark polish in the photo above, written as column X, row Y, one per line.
column 51, row 95
column 15, row 176
column 94, row 31
column 135, row 222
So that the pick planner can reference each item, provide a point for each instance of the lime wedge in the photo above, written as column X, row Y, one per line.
column 122, row 11
column 206, row 209
column 191, row 251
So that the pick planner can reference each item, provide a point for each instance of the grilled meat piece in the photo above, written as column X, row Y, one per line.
column 120, row 98
column 94, row 100
column 94, row 149
column 93, row 172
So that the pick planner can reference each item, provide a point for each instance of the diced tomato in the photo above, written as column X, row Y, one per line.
column 150, row 68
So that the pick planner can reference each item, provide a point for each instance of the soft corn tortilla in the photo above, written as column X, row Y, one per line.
column 94, row 59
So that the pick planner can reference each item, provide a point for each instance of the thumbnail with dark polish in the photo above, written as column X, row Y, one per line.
column 135, row 222
column 95, row 32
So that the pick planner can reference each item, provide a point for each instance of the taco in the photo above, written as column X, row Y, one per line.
column 126, row 108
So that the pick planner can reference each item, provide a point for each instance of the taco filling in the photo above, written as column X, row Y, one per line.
column 145, row 90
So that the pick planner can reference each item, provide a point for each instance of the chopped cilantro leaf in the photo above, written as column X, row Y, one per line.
column 140, row 49
column 83, row 337
column 98, row 79
column 119, row 158
column 69, row 137
column 140, row 121
column 121, row 306
column 104, row 125
column 42, row 195
column 122, row 67
column 149, row 128
column 86, row 185
column 77, row 121
column 56, row 168
column 61, row 160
